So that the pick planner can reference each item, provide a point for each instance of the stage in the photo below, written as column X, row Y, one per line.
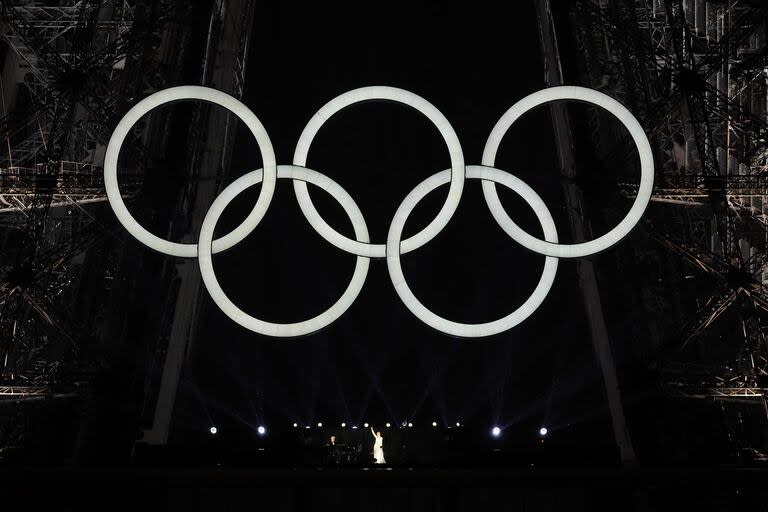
column 389, row 488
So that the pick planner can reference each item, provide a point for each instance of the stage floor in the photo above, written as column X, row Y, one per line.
column 388, row 476
column 387, row 488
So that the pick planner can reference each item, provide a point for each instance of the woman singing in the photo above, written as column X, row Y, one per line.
column 378, row 449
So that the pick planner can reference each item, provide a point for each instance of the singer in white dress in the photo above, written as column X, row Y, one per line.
column 378, row 447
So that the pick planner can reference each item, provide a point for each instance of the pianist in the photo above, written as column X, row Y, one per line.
column 332, row 452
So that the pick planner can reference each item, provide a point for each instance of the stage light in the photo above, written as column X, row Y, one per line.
column 354, row 427
column 543, row 431
column 261, row 430
column 410, row 424
column 434, row 423
column 365, row 425
column 307, row 426
column 214, row 430
column 343, row 425
column 458, row 424
column 496, row 431
column 319, row 424
column 388, row 425
column 295, row 425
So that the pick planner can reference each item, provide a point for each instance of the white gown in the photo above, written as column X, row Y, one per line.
column 378, row 450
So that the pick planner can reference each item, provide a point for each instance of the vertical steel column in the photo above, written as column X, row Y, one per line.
column 226, row 56
column 581, row 231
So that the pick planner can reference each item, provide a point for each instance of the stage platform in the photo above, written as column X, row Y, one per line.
column 387, row 488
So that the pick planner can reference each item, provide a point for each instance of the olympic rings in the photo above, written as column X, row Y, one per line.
column 188, row 92
column 396, row 96
column 228, row 307
column 644, row 191
column 455, row 328
column 361, row 245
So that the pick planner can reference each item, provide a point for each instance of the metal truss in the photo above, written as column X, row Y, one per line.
column 27, row 296
column 241, row 57
column 737, row 393
column 711, row 383
column 77, row 184
column 23, row 391
column 697, row 190
column 725, row 394
column 27, row 280
column 697, row 78
column 63, row 53
column 80, row 63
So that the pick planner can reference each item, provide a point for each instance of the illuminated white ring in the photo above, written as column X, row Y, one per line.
column 626, row 225
column 254, row 324
column 188, row 92
column 438, row 322
column 395, row 95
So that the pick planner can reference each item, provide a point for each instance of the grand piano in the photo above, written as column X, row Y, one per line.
column 342, row 453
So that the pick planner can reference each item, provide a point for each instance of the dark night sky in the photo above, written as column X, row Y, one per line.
column 378, row 362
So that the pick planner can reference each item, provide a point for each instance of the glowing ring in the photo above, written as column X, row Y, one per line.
column 254, row 324
column 395, row 95
column 644, row 191
column 393, row 248
column 438, row 322
column 188, row 92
